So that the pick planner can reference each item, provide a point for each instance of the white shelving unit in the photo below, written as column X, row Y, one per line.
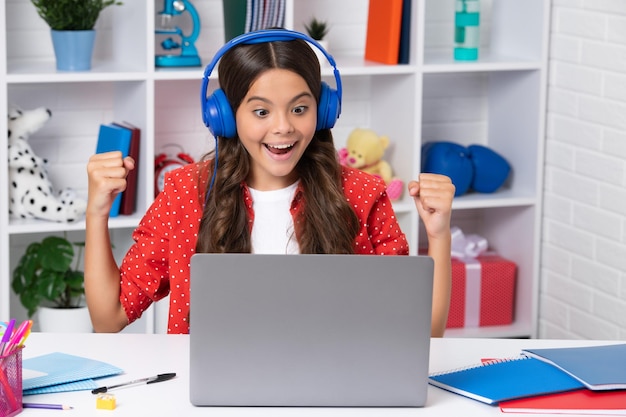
column 498, row 101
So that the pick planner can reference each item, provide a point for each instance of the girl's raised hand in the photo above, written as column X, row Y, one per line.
column 107, row 177
column 433, row 194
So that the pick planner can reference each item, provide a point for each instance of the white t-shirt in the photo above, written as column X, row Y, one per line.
column 272, row 231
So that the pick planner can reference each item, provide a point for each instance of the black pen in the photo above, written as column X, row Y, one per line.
column 150, row 380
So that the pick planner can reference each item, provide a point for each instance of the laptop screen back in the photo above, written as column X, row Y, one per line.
column 309, row 330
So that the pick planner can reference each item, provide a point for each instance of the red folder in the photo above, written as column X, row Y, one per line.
column 574, row 402
column 384, row 21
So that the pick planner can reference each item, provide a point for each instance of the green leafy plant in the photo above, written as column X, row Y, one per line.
column 317, row 29
column 71, row 14
column 44, row 273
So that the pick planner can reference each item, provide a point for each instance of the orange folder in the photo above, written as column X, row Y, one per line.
column 384, row 21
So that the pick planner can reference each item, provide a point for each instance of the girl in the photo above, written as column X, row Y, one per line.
column 277, row 187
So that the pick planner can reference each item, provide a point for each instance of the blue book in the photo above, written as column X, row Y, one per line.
column 114, row 138
column 404, row 51
column 501, row 380
column 597, row 367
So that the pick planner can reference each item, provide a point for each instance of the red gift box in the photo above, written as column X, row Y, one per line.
column 483, row 291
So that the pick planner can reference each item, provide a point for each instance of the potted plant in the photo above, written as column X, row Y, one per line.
column 48, row 284
column 318, row 29
column 72, row 28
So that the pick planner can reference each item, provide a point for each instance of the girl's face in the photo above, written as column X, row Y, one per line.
column 276, row 122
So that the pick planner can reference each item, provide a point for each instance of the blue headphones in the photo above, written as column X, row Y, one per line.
column 216, row 110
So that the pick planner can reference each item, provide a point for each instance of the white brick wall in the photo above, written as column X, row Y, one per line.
column 583, row 267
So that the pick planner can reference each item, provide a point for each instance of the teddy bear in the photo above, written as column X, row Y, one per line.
column 365, row 150
column 31, row 194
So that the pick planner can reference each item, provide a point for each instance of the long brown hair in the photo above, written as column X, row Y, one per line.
column 326, row 223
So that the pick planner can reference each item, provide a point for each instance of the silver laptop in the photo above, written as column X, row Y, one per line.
column 310, row 330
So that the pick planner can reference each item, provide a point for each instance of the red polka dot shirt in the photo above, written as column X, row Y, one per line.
column 158, row 263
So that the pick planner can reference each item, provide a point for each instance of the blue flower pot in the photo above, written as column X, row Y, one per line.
column 73, row 49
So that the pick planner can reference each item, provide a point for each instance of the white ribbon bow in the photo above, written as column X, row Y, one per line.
column 469, row 246
column 466, row 249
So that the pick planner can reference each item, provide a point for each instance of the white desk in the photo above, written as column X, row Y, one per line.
column 142, row 355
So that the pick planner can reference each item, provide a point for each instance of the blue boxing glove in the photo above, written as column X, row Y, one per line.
column 450, row 159
column 490, row 169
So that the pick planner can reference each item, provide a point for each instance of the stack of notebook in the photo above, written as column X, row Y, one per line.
column 242, row 16
column 123, row 137
column 576, row 380
column 61, row 372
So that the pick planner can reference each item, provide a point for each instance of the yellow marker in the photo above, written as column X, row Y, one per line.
column 105, row 402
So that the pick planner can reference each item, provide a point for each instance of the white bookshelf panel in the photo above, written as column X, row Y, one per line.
column 497, row 101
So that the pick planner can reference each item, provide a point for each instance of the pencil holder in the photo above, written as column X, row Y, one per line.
column 11, row 384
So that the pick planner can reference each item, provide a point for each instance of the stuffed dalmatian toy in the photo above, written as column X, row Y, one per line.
column 31, row 195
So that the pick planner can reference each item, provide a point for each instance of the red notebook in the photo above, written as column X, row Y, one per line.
column 384, row 21
column 574, row 402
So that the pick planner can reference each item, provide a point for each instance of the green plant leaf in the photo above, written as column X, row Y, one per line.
column 44, row 272
column 57, row 253
column 71, row 14
column 30, row 303
column 51, row 284
column 317, row 29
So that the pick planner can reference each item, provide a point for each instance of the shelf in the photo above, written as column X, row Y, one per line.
column 443, row 62
column 496, row 101
column 472, row 200
column 513, row 331
column 18, row 227
column 500, row 198
column 44, row 71
column 347, row 66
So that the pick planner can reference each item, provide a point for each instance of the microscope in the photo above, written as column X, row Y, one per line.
column 188, row 56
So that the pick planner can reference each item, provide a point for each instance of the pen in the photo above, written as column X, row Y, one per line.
column 47, row 406
column 8, row 332
column 19, row 336
column 150, row 380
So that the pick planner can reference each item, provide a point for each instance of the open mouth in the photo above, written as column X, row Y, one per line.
column 279, row 149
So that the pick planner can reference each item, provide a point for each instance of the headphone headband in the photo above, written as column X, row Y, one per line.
column 214, row 107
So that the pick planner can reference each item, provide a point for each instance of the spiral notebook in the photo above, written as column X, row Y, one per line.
column 507, row 379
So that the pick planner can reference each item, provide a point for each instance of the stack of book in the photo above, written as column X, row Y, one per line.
column 243, row 16
column 388, row 31
column 575, row 380
column 124, row 137
column 61, row 372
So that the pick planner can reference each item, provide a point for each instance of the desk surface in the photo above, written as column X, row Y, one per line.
column 142, row 355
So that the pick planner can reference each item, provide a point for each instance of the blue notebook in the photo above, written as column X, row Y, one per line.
column 114, row 138
column 598, row 367
column 507, row 379
column 59, row 372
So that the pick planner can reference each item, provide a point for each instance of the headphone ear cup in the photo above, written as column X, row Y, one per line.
column 218, row 115
column 328, row 109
